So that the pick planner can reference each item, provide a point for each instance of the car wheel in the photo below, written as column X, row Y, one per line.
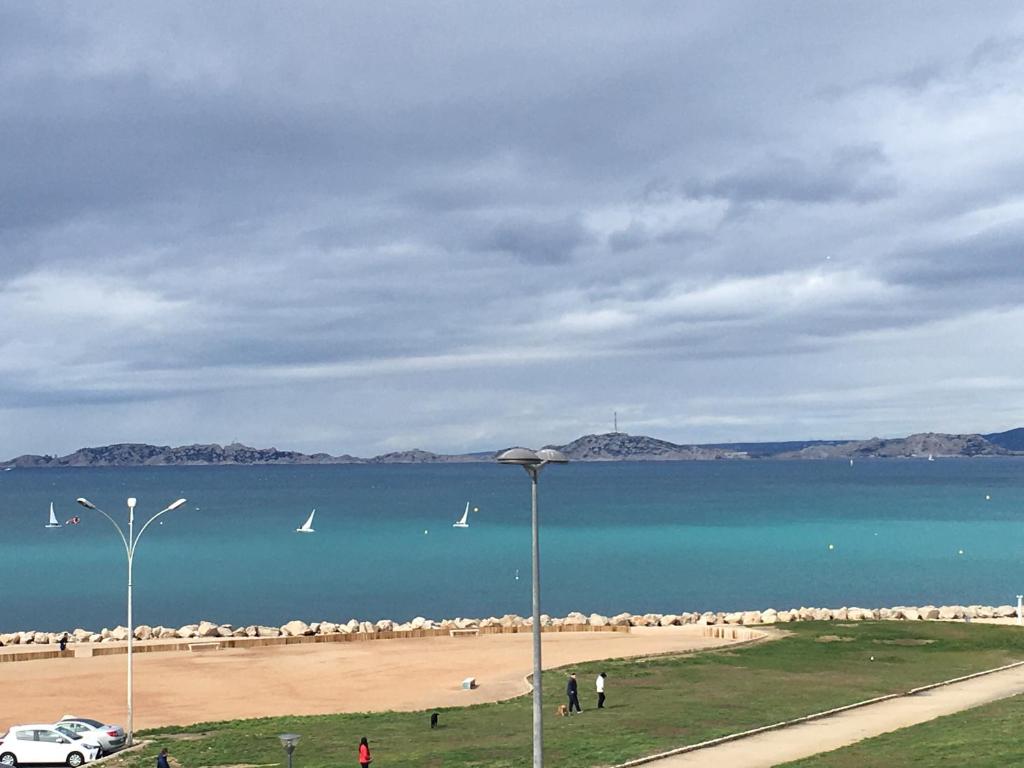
column 75, row 759
column 8, row 759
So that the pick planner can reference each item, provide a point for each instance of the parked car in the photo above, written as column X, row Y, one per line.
column 109, row 737
column 45, row 744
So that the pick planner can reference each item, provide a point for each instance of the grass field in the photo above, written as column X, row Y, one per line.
column 653, row 704
column 985, row 737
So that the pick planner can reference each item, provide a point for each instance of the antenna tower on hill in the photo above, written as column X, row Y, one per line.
column 615, row 421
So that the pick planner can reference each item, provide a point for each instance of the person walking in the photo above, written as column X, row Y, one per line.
column 572, row 691
column 64, row 643
column 600, row 690
column 161, row 759
column 364, row 753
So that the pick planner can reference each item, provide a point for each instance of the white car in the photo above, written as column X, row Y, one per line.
column 45, row 744
column 109, row 737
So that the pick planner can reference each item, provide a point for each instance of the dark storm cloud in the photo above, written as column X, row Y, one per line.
column 332, row 215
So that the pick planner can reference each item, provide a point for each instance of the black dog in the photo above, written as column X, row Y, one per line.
column 433, row 720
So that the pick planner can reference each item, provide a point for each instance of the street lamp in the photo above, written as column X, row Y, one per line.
column 130, row 541
column 289, row 741
column 533, row 462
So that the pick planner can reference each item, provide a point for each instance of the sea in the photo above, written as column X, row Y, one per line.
column 623, row 536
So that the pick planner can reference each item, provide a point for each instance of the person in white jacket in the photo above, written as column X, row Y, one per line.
column 600, row 690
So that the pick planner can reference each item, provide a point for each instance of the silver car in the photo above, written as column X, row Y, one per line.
column 109, row 737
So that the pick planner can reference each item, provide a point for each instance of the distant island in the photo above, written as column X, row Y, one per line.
column 612, row 446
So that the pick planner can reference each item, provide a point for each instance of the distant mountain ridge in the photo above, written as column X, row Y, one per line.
column 612, row 446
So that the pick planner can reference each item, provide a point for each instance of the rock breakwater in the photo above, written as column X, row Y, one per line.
column 294, row 628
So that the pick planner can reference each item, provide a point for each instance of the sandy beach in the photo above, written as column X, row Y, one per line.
column 179, row 687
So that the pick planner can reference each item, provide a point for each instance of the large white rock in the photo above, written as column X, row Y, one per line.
column 262, row 631
column 81, row 635
column 784, row 617
column 769, row 616
column 207, row 629
column 840, row 614
column 240, row 632
column 597, row 620
column 471, row 623
column 929, row 612
column 986, row 611
column 822, row 614
column 328, row 628
column 143, row 632
column 387, row 625
column 667, row 620
column 366, row 628
column 189, row 630
column 41, row 638
column 1005, row 611
column 575, row 619
column 119, row 633
column 735, row 617
column 168, row 632
column 620, row 620
column 226, row 630
column 296, row 628
column 948, row 612
column 910, row 614
column 751, row 617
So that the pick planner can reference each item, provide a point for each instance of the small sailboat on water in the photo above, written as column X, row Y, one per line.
column 463, row 522
column 931, row 457
column 307, row 527
column 53, row 519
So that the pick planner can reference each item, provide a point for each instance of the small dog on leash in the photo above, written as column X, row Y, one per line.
column 562, row 711
column 433, row 720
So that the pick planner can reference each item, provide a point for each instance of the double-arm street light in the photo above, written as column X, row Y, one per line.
column 533, row 462
column 130, row 542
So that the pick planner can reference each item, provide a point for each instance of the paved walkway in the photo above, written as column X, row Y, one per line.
column 771, row 748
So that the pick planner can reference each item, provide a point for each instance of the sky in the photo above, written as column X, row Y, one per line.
column 457, row 226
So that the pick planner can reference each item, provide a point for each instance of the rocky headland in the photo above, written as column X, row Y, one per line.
column 390, row 628
column 611, row 446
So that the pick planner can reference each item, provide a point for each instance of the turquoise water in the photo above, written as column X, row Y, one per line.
column 615, row 537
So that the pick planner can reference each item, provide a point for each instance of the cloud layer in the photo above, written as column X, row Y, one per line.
column 327, row 226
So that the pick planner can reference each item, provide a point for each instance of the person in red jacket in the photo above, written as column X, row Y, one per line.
column 364, row 753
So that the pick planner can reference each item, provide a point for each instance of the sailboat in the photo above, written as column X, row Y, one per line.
column 930, row 457
column 463, row 522
column 307, row 527
column 53, row 519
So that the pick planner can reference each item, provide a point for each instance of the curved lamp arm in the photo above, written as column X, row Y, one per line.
column 89, row 505
column 169, row 508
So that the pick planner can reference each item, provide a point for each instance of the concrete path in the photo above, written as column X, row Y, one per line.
column 771, row 748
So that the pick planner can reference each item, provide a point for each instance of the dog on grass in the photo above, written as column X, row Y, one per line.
column 562, row 711
column 433, row 720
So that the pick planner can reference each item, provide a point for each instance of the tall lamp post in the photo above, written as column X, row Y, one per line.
column 130, row 541
column 533, row 462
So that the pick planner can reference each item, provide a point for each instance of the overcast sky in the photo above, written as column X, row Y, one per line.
column 362, row 227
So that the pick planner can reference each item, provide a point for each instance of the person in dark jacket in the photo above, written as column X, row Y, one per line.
column 364, row 753
column 161, row 759
column 572, row 691
column 64, row 643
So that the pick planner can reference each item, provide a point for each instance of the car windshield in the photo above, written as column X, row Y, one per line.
column 68, row 732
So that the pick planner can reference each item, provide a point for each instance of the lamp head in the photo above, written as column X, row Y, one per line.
column 551, row 456
column 131, row 502
column 175, row 505
column 289, row 741
column 522, row 456
column 86, row 503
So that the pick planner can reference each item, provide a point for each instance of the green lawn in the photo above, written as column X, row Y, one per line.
column 654, row 704
column 985, row 737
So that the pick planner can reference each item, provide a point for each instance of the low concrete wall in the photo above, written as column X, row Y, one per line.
column 148, row 646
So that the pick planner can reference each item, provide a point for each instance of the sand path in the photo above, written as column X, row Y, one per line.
column 774, row 747
column 179, row 688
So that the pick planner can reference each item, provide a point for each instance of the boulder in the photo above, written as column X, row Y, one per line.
column 841, row 614
column 187, row 631
column 620, row 620
column 119, row 633
column 296, row 628
column 708, row 618
column 226, row 630
column 575, row 619
column 328, row 628
column 366, row 628
column 168, row 632
column 855, row 614
column 735, row 617
column 929, row 612
column 948, row 612
column 783, row 617
column 910, row 614
column 473, row 623
column 41, row 638
column 143, row 632
column 822, row 614
column 597, row 620
column 986, row 611
column 104, row 633
column 1005, row 611
column 420, row 623
column 751, row 617
column 769, row 616
column 262, row 631
column 81, row 635
column 240, row 632
column 10, row 638
column 95, row 637
column 386, row 625
column 252, row 631
column 207, row 629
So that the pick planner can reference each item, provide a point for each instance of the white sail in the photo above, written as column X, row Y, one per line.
column 463, row 521
column 53, row 519
column 307, row 527
column 931, row 457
